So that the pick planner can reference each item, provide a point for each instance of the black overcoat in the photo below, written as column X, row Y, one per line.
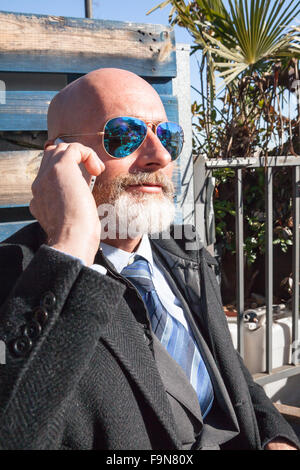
column 80, row 371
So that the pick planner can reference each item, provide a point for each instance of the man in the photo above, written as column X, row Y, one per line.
column 91, row 361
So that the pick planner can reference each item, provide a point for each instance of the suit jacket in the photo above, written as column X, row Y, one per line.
column 80, row 371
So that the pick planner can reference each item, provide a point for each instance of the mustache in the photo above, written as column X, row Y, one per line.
column 140, row 178
column 110, row 191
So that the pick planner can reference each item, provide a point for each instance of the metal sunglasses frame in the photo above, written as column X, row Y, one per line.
column 101, row 133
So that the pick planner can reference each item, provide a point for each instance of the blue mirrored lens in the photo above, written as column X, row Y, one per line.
column 171, row 136
column 123, row 135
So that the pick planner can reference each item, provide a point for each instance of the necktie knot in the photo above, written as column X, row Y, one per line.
column 139, row 274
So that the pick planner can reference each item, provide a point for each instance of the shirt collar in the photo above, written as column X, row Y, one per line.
column 120, row 258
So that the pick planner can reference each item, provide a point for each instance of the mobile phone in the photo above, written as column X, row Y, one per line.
column 92, row 183
column 58, row 141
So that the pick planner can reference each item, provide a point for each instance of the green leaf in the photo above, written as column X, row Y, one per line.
column 161, row 5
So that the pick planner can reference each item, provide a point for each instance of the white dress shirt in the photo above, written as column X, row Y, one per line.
column 120, row 259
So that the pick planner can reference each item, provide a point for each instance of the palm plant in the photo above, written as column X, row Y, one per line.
column 250, row 42
column 257, row 37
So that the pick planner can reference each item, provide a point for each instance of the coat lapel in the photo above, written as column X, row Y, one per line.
column 175, row 380
column 125, row 337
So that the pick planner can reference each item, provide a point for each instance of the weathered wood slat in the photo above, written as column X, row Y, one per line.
column 17, row 172
column 291, row 413
column 27, row 110
column 40, row 43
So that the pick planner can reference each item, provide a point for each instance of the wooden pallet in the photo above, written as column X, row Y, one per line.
column 39, row 55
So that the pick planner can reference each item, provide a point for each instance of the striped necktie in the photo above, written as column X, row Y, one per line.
column 171, row 333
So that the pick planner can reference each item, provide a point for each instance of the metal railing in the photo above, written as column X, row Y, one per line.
column 288, row 370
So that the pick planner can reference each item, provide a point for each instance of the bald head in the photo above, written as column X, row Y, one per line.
column 86, row 104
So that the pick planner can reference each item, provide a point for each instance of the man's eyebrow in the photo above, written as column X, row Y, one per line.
column 154, row 121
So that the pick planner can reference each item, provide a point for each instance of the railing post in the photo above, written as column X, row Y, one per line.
column 269, row 265
column 239, row 260
column 199, row 180
column 296, row 254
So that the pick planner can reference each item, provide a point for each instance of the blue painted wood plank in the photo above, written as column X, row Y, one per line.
column 9, row 206
column 27, row 110
column 74, row 63
column 6, row 230
column 162, row 85
column 75, row 45
column 171, row 106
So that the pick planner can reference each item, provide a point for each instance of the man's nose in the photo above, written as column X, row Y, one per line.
column 152, row 155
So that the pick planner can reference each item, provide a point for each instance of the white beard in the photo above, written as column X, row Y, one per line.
column 131, row 216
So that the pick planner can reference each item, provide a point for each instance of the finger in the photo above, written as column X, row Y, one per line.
column 50, row 152
column 83, row 155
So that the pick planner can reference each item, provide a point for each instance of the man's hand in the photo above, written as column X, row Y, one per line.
column 280, row 444
column 62, row 202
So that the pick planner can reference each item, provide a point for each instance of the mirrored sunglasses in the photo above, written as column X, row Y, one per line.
column 124, row 135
